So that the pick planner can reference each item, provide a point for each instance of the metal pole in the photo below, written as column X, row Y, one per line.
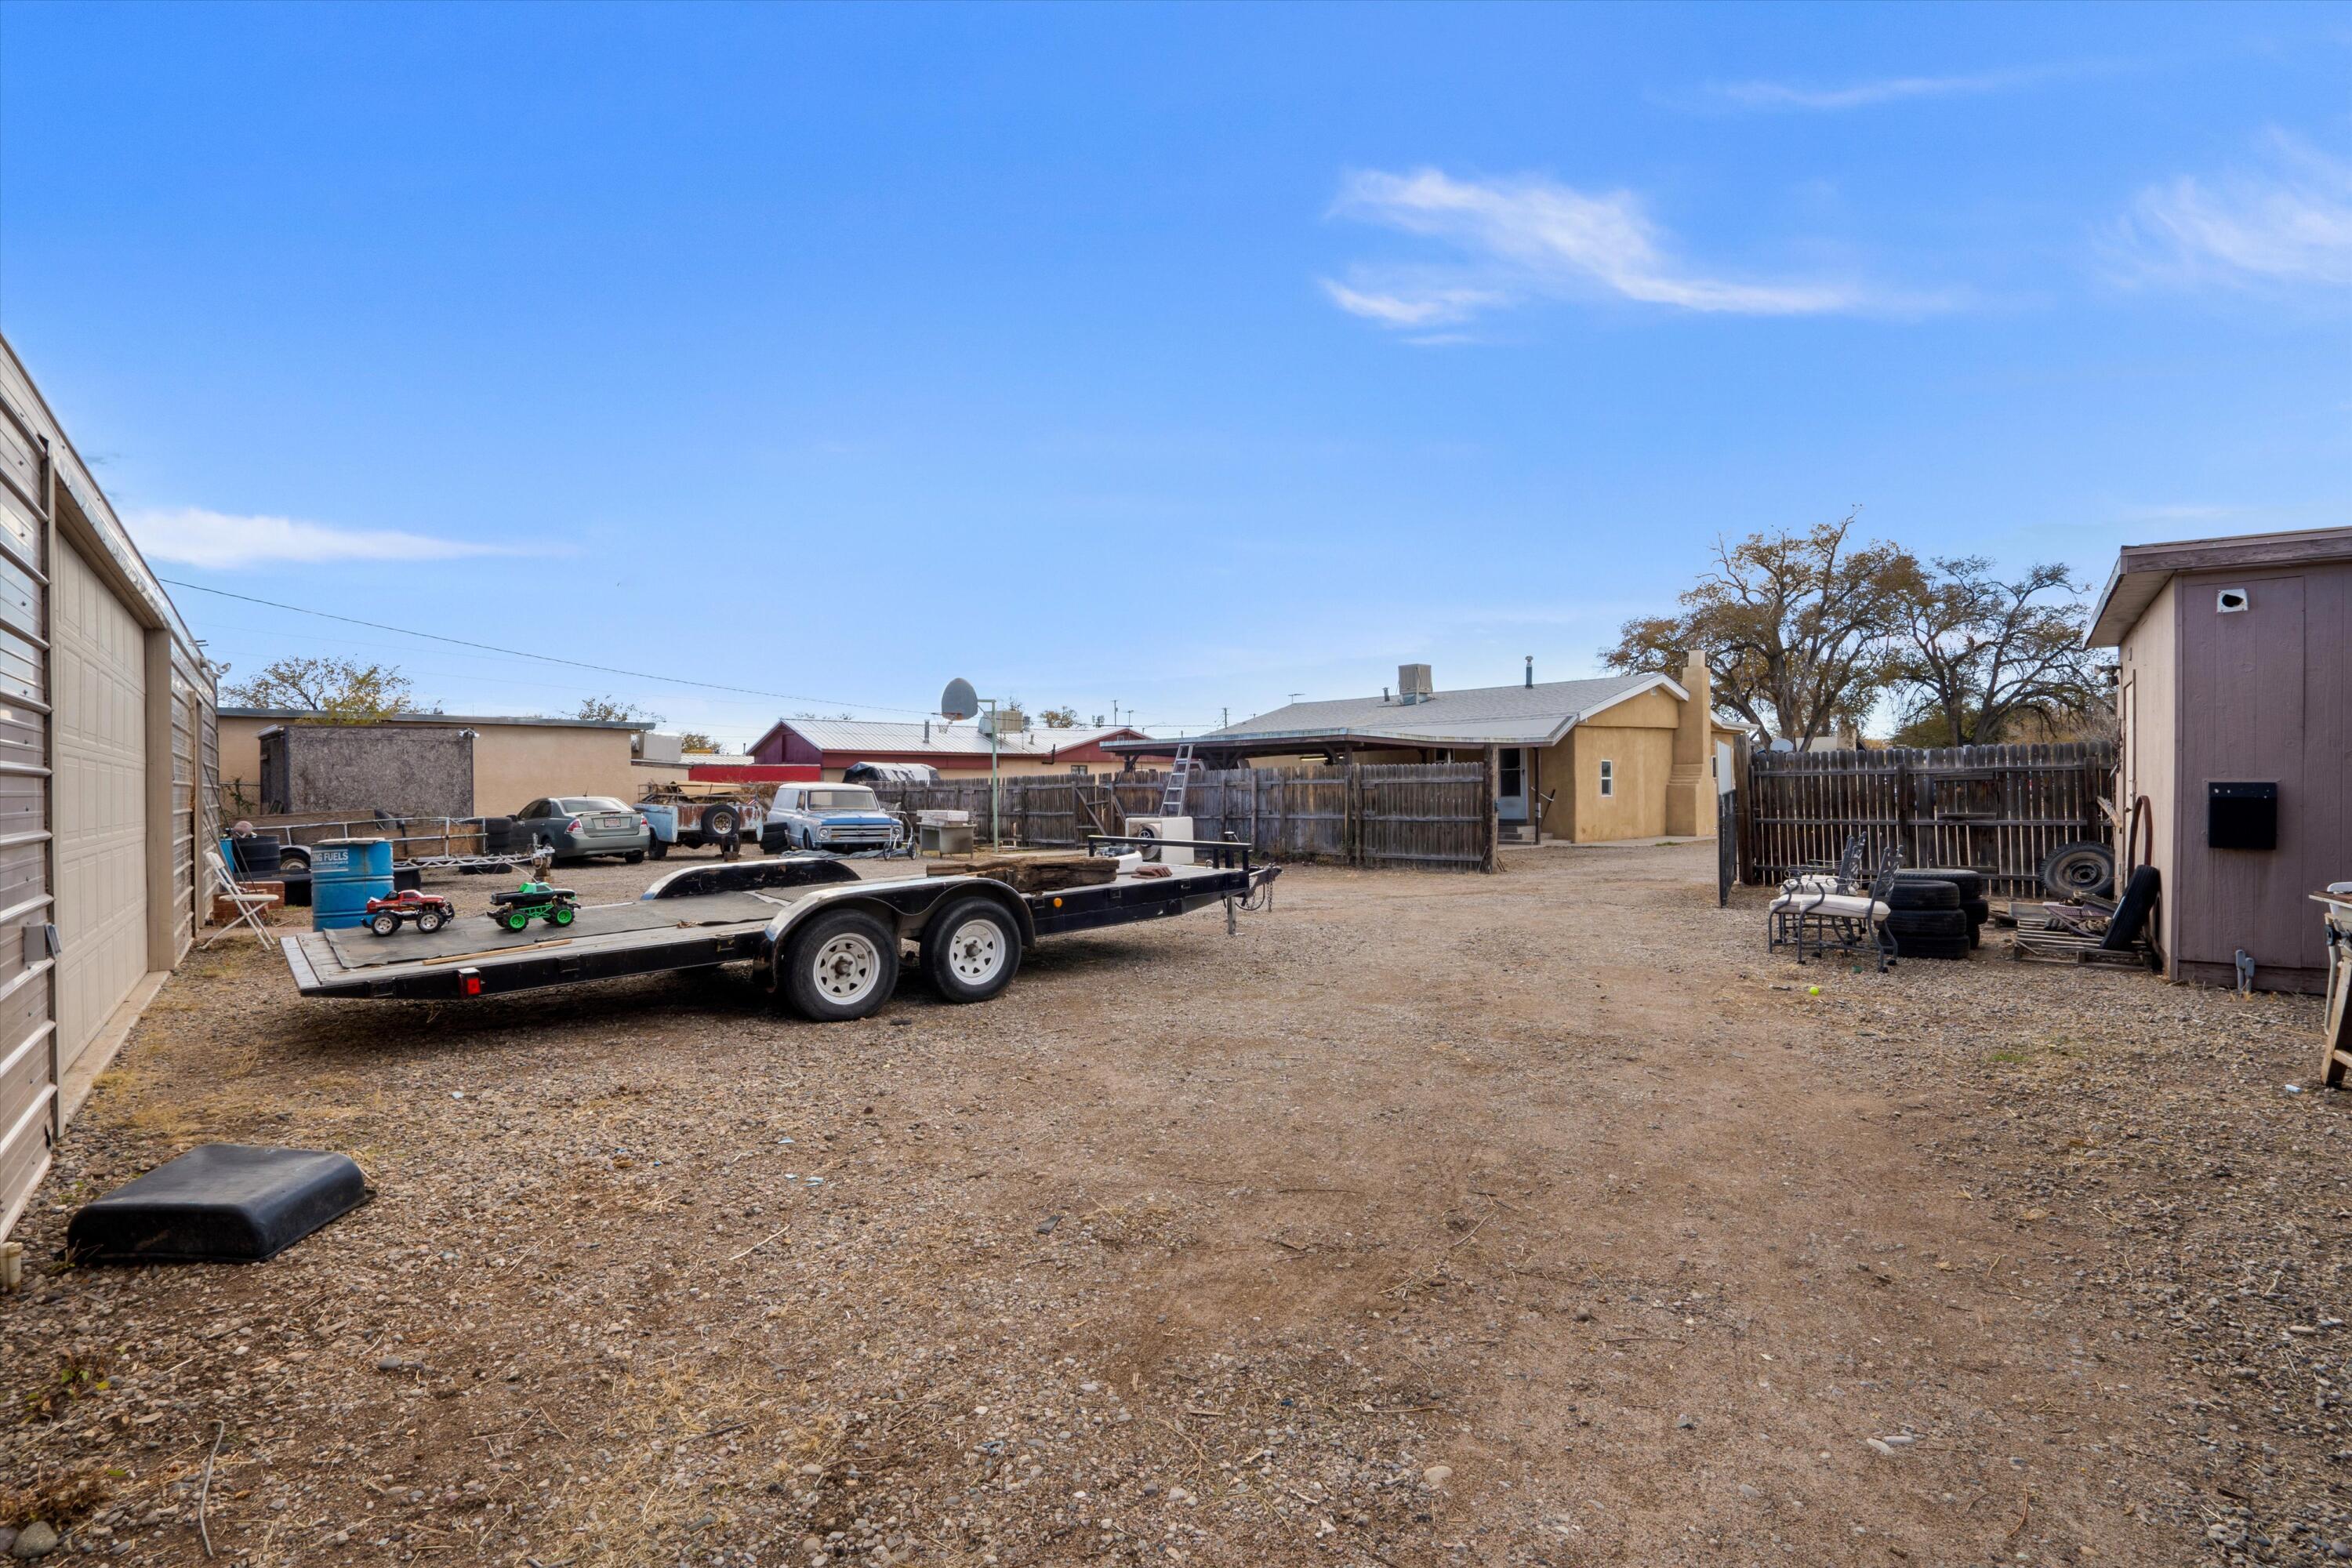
column 995, row 830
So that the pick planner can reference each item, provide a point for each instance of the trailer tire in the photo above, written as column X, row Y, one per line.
column 840, row 965
column 971, row 950
column 293, row 858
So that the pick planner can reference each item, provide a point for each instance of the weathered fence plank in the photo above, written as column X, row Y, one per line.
column 1432, row 816
column 2001, row 810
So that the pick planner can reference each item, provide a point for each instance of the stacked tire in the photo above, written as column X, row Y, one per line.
column 1975, row 900
column 1927, row 919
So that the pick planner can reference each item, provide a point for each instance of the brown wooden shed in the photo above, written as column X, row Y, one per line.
column 2234, row 699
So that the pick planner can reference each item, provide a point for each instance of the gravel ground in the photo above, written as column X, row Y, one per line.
column 1540, row 1218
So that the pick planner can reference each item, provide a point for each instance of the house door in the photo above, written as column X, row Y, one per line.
column 1511, row 785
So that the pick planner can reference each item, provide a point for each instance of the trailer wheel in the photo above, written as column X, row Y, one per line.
column 384, row 924
column 970, row 950
column 294, row 859
column 2080, row 868
column 842, row 966
column 720, row 822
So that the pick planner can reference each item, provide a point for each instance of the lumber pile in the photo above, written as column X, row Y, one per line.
column 1033, row 873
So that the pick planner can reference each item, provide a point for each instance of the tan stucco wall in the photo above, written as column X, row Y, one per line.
column 513, row 764
column 1636, row 808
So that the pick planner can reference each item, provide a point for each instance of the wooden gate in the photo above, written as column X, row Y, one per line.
column 2001, row 810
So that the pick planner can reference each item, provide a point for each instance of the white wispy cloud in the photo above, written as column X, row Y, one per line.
column 1528, row 238
column 1781, row 95
column 222, row 541
column 2288, row 224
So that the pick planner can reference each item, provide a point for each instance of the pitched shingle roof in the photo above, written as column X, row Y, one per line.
column 1535, row 715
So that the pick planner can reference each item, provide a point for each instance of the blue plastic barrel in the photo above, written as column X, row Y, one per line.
column 345, row 873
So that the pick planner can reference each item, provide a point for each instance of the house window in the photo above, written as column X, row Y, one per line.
column 1079, row 769
column 1608, row 777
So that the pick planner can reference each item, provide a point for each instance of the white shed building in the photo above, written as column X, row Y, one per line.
column 108, row 768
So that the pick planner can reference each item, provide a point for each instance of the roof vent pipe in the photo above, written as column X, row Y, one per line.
column 1384, row 696
column 1531, row 672
column 926, row 729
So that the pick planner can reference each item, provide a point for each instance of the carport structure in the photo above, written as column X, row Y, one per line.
column 107, row 759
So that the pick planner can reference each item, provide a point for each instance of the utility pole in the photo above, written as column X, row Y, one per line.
column 1224, row 718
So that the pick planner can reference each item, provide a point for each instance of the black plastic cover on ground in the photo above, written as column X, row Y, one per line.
column 218, row 1202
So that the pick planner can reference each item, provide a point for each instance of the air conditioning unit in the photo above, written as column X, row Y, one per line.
column 1163, row 827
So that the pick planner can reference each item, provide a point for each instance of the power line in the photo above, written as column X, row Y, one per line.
column 544, row 657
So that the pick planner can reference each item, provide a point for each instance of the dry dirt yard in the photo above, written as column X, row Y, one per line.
column 1539, row 1218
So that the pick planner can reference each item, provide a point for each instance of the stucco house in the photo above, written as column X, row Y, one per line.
column 508, row 761
column 1618, row 756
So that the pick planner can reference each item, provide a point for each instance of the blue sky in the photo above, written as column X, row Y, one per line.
column 1180, row 359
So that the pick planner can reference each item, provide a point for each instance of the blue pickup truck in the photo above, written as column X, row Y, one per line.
column 842, row 818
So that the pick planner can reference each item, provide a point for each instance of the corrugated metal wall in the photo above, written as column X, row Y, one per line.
column 50, row 505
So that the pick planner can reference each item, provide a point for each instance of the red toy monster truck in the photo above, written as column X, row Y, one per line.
column 429, row 911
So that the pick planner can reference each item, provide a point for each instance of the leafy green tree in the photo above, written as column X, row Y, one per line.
column 1797, row 627
column 327, row 690
column 1982, row 660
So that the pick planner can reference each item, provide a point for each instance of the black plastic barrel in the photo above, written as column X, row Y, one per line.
column 257, row 857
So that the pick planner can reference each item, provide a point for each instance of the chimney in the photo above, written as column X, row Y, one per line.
column 1413, row 684
column 1531, row 672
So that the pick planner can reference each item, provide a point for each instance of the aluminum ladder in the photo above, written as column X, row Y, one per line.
column 1180, row 774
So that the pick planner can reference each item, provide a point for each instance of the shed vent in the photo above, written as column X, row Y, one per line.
column 1413, row 684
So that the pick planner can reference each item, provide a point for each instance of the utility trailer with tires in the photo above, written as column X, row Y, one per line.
column 826, row 941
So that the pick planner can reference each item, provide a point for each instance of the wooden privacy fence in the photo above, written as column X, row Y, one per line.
column 2001, row 810
column 1432, row 816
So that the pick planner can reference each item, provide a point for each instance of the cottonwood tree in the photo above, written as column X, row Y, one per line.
column 1059, row 718
column 612, row 710
column 336, row 689
column 1981, row 658
column 1797, row 629
column 696, row 740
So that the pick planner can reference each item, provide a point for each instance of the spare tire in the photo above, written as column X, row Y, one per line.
column 1970, row 883
column 1979, row 910
column 720, row 822
column 1918, row 930
column 2132, row 913
column 2073, row 870
column 1917, row 893
column 1933, row 947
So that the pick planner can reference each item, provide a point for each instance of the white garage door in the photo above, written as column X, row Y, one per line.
column 98, row 658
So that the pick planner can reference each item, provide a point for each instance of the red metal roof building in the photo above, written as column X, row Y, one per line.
column 834, row 744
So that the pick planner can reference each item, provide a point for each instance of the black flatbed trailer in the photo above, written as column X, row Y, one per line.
column 826, row 939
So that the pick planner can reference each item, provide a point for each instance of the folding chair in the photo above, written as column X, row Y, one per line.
column 249, row 904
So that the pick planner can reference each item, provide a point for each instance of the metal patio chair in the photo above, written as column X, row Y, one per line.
column 1838, row 911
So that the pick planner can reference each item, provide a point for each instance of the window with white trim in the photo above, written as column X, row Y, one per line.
column 1080, row 769
column 1608, row 777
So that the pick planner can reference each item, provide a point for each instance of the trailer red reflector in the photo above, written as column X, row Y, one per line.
column 469, row 981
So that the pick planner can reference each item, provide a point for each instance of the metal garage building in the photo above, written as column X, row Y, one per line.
column 108, row 760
